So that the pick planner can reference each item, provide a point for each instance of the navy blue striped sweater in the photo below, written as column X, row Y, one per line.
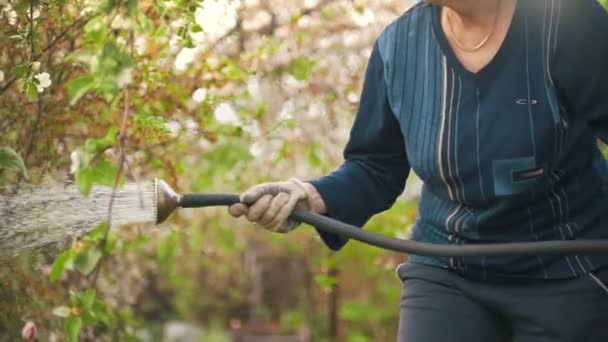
column 506, row 154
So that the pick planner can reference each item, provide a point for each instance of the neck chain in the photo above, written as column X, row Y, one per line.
column 483, row 41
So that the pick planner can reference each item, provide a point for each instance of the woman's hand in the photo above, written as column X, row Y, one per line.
column 270, row 204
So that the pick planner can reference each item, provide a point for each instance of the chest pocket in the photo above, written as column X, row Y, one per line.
column 528, row 137
column 537, row 101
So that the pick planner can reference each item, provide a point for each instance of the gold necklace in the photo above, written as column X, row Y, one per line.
column 482, row 43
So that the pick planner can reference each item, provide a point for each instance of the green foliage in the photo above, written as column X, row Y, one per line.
column 80, row 86
column 63, row 261
column 85, row 307
column 301, row 68
column 94, row 168
column 115, row 60
column 100, row 172
column 85, row 262
column 11, row 160
column 72, row 328
column 27, row 82
column 604, row 3
column 109, row 64
column 85, row 255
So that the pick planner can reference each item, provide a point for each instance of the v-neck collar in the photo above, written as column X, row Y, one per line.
column 488, row 71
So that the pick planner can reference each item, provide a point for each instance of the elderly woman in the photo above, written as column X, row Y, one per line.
column 497, row 106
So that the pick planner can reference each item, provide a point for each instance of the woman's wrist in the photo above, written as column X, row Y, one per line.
column 317, row 205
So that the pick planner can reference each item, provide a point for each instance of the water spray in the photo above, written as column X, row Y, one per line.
column 166, row 201
column 49, row 217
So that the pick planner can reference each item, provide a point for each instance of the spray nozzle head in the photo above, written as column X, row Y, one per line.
column 166, row 200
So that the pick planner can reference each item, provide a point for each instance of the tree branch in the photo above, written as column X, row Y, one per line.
column 122, row 143
column 76, row 24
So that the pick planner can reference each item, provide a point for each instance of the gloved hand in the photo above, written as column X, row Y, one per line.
column 270, row 204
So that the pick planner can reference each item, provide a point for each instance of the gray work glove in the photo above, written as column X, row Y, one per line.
column 270, row 204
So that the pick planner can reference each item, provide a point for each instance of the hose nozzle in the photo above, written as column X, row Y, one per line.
column 166, row 200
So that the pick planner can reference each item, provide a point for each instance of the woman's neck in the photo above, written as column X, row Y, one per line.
column 471, row 14
column 475, row 29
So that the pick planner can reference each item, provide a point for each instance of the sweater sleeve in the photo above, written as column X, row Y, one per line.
column 581, row 64
column 375, row 169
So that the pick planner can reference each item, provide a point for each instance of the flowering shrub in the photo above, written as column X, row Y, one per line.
column 210, row 95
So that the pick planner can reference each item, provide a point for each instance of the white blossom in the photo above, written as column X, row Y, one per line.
column 89, row 6
column 225, row 113
column 184, row 58
column 216, row 17
column 1, row 75
column 256, row 149
column 254, row 89
column 12, row 17
column 199, row 95
column 352, row 97
column 174, row 127
column 287, row 110
column 36, row 13
column 363, row 18
column 191, row 126
column 36, row 66
column 125, row 77
column 44, row 81
column 140, row 45
column 75, row 158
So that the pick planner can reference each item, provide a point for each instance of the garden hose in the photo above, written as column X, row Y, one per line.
column 167, row 201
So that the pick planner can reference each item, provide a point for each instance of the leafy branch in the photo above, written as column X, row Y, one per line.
column 89, row 254
column 77, row 24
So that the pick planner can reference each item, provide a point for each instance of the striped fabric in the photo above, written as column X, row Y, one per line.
column 506, row 154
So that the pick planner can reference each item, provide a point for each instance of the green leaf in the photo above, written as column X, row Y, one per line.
column 80, row 86
column 110, row 244
column 301, row 68
column 84, row 179
column 132, row 7
column 32, row 91
column 103, row 172
column 98, row 232
column 86, row 262
column 197, row 28
column 94, row 146
column 61, row 311
column 325, row 281
column 63, row 262
column 96, row 30
column 87, row 299
column 188, row 42
column 111, row 135
column 232, row 70
column 604, row 3
column 9, row 159
column 21, row 70
column 72, row 328
column 99, row 310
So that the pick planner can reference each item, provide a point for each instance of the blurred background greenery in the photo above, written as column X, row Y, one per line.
column 217, row 95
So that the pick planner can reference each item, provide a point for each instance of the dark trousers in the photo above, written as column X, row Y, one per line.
column 439, row 305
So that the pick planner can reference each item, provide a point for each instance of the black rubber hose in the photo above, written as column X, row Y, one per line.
column 329, row 225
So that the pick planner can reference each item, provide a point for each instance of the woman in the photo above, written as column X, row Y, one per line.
column 497, row 106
